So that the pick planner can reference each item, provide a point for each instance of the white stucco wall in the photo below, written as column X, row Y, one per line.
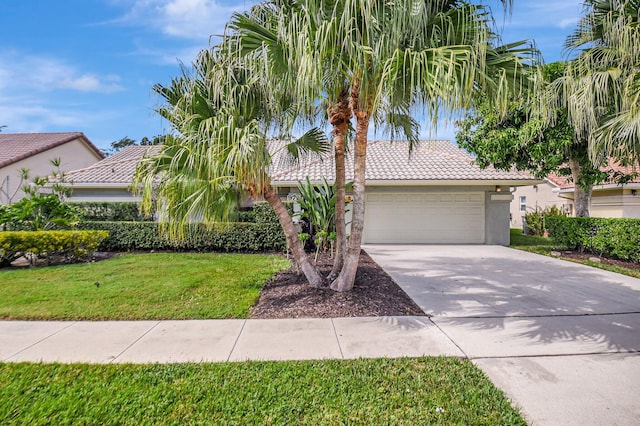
column 74, row 155
column 537, row 196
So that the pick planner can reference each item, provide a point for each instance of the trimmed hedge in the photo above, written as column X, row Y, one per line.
column 125, row 211
column 232, row 237
column 263, row 233
column 65, row 246
column 617, row 238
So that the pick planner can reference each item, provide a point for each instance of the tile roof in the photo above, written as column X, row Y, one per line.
column 386, row 161
column 116, row 169
column 564, row 182
column 18, row 146
column 433, row 160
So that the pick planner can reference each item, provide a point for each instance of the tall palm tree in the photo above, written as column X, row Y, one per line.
column 386, row 57
column 602, row 85
column 220, row 114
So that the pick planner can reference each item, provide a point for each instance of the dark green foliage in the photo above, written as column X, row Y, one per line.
column 111, row 212
column 56, row 246
column 262, row 234
column 38, row 212
column 617, row 238
column 232, row 237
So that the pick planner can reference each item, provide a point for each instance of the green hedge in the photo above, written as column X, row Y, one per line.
column 617, row 238
column 111, row 211
column 232, row 237
column 61, row 246
column 262, row 234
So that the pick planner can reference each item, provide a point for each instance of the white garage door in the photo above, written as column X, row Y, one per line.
column 437, row 218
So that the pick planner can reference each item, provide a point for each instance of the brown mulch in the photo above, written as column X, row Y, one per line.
column 375, row 293
column 576, row 255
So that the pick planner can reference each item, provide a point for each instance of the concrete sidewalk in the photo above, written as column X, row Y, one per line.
column 221, row 340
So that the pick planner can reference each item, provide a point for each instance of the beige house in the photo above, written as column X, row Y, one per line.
column 607, row 200
column 35, row 151
column 435, row 195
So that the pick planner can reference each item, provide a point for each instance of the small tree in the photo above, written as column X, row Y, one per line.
column 44, row 206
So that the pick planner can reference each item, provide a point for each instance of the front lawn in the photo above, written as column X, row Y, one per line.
column 139, row 286
column 405, row 391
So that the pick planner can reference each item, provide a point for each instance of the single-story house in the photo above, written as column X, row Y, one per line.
column 609, row 199
column 109, row 179
column 435, row 194
column 35, row 151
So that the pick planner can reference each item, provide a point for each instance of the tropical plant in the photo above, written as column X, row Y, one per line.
column 43, row 207
column 221, row 115
column 375, row 61
column 601, row 87
column 318, row 204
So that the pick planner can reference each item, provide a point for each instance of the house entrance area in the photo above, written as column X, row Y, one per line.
column 425, row 218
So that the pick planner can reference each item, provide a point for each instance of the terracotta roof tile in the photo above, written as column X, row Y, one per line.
column 18, row 146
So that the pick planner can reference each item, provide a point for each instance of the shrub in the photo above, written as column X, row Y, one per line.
column 536, row 221
column 126, row 211
column 65, row 246
column 232, row 237
column 618, row 238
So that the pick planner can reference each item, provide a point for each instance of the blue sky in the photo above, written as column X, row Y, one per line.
column 89, row 65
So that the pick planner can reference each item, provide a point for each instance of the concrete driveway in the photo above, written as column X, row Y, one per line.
column 561, row 339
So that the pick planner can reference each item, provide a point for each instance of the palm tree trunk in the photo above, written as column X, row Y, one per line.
column 299, row 255
column 347, row 276
column 581, row 195
column 339, row 116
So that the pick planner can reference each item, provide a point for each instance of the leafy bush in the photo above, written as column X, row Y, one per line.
column 111, row 211
column 618, row 238
column 232, row 237
column 536, row 220
column 38, row 212
column 65, row 246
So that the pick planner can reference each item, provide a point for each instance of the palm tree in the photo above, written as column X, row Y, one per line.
column 386, row 58
column 601, row 88
column 221, row 115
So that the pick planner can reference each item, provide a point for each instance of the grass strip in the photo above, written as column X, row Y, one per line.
column 408, row 391
column 545, row 246
column 138, row 287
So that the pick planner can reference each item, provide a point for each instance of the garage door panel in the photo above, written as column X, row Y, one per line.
column 424, row 218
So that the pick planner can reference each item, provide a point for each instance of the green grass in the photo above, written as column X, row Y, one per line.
column 545, row 246
column 532, row 243
column 405, row 391
column 139, row 286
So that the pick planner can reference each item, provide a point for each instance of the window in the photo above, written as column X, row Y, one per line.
column 523, row 204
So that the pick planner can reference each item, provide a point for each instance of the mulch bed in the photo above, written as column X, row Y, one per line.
column 375, row 293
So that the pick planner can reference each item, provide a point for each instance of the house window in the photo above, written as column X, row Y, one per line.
column 523, row 204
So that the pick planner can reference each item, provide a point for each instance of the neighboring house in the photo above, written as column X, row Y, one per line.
column 109, row 179
column 527, row 199
column 436, row 194
column 35, row 151
column 609, row 199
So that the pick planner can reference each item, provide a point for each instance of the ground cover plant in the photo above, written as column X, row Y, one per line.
column 357, row 392
column 139, row 286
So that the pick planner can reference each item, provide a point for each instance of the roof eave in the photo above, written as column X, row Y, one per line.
column 435, row 182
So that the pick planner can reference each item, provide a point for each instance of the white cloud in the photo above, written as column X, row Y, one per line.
column 193, row 19
column 43, row 73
